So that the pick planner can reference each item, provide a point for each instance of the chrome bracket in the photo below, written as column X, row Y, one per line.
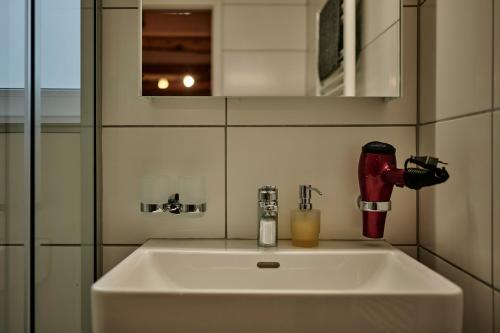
column 174, row 206
column 374, row 206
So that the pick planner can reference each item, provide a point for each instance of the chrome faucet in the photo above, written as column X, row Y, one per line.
column 267, row 216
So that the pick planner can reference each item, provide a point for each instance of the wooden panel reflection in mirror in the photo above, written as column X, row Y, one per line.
column 177, row 52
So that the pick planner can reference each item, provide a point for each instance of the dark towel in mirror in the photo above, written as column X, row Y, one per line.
column 330, row 38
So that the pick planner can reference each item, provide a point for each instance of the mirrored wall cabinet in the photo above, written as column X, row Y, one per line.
column 283, row 48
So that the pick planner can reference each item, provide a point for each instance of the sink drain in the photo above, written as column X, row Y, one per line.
column 268, row 264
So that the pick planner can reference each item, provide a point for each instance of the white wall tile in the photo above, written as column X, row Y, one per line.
column 59, row 196
column 60, row 106
column 321, row 111
column 266, row 73
column 113, row 255
column 456, row 62
column 455, row 217
column 59, row 202
column 12, row 289
column 3, row 289
column 16, row 287
column 3, row 186
column 496, row 197
column 318, row 111
column 376, row 17
column 265, row 27
column 478, row 311
column 14, row 210
column 129, row 3
column 268, row 2
column 131, row 153
column 57, row 106
column 135, row 3
column 410, row 2
column 121, row 104
column 58, row 294
column 324, row 157
column 120, row 3
column 378, row 66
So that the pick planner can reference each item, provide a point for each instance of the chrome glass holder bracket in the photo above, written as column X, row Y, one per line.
column 174, row 206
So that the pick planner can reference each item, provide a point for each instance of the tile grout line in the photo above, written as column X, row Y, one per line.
column 265, row 50
column 492, row 152
column 250, row 3
column 417, row 129
column 49, row 244
column 259, row 125
column 251, row 239
column 121, row 245
column 472, row 114
column 240, row 4
column 107, row 8
column 324, row 125
column 492, row 235
column 490, row 285
column 163, row 126
column 225, row 169
column 62, row 244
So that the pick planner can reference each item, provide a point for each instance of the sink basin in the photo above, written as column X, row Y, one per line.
column 218, row 286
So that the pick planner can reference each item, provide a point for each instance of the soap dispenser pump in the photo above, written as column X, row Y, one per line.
column 305, row 221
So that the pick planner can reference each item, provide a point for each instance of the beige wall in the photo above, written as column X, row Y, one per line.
column 305, row 140
column 458, row 123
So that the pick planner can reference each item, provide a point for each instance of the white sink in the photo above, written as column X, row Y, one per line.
column 216, row 286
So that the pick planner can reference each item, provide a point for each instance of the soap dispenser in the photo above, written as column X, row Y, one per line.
column 305, row 221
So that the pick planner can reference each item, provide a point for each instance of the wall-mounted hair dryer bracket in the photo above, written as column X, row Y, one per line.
column 378, row 174
column 373, row 206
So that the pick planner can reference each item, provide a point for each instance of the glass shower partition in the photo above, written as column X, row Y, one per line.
column 47, row 164
column 64, row 210
column 14, row 167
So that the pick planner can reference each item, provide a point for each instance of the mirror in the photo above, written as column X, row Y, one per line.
column 271, row 48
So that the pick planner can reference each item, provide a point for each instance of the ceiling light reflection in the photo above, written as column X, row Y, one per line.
column 163, row 83
column 188, row 81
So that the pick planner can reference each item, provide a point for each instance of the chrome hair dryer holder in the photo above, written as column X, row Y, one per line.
column 373, row 206
column 174, row 206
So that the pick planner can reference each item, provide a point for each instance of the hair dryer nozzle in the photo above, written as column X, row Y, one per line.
column 374, row 224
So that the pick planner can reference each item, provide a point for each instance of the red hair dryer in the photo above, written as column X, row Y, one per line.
column 378, row 173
